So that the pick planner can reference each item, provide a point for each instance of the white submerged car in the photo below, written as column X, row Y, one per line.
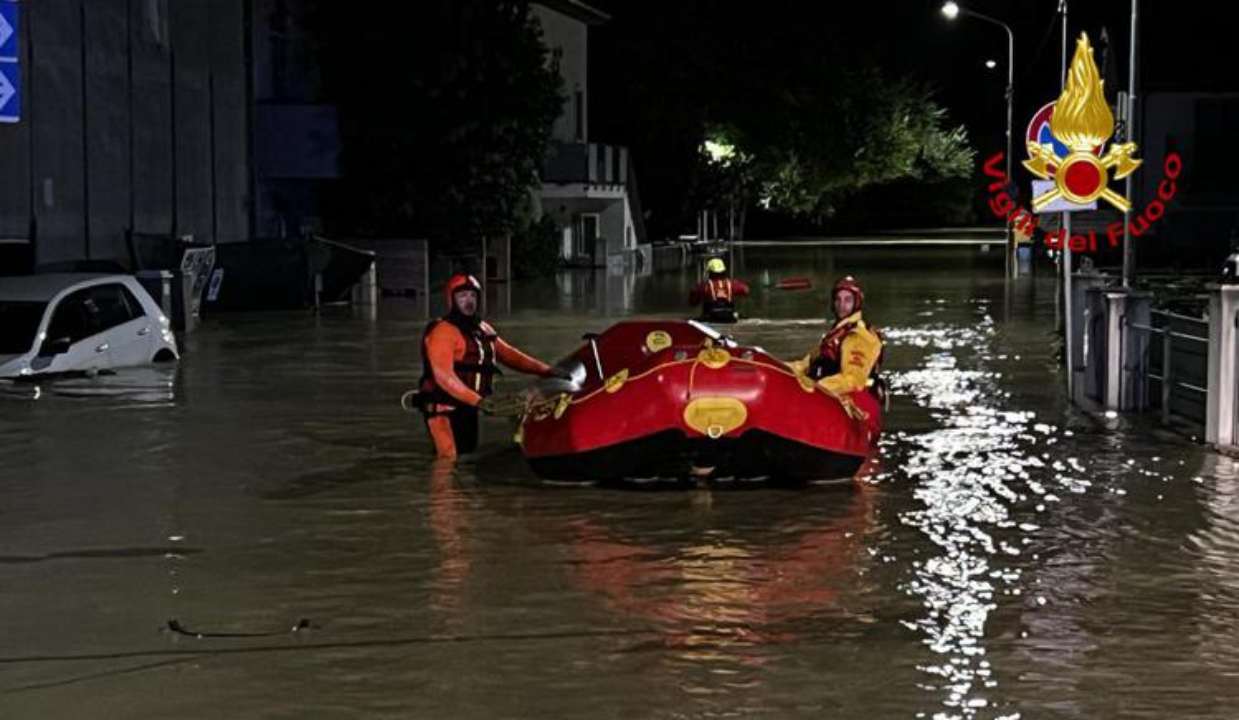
column 78, row 322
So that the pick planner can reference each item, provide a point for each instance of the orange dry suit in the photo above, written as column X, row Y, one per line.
column 717, row 295
column 458, row 358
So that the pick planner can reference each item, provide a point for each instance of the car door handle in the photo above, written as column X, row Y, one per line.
column 144, row 331
column 101, row 348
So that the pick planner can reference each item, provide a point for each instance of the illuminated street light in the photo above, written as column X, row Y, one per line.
column 953, row 10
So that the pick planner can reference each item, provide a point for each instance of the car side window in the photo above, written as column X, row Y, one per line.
column 135, row 306
column 109, row 306
column 70, row 320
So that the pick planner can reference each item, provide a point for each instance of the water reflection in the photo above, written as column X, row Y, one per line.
column 146, row 386
column 610, row 292
column 1012, row 558
column 714, row 576
column 965, row 475
column 451, row 524
column 729, row 586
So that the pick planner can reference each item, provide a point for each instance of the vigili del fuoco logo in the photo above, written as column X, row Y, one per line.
column 1066, row 144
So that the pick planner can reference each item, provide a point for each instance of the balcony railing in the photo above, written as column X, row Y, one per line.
column 589, row 163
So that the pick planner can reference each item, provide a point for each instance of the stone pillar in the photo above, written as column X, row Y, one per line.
column 1116, row 306
column 1082, row 283
column 1220, row 405
column 1133, row 389
column 1095, row 349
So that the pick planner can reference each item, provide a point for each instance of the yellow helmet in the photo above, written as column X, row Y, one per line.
column 716, row 265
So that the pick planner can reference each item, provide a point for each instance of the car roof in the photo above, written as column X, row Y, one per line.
column 42, row 288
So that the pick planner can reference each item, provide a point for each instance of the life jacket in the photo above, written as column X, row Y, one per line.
column 720, row 296
column 829, row 360
column 476, row 369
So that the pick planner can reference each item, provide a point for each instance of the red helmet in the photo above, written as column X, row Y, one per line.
column 459, row 282
column 849, row 283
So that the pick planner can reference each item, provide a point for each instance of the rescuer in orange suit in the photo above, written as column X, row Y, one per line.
column 847, row 358
column 459, row 352
column 717, row 294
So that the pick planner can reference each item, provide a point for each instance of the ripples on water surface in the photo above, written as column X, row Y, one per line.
column 1005, row 557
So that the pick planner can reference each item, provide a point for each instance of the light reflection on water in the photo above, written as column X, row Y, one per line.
column 128, row 387
column 1007, row 557
column 965, row 476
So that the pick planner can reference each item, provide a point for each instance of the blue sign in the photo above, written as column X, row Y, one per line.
column 10, row 68
column 10, row 91
column 10, row 17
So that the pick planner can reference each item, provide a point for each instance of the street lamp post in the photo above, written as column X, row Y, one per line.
column 953, row 10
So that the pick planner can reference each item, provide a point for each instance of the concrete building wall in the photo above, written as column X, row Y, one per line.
column 192, row 129
column 54, row 98
column 615, row 223
column 568, row 39
column 611, row 226
column 150, row 43
column 106, row 145
column 228, row 27
column 98, row 150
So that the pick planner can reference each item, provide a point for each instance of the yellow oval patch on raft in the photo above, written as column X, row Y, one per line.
column 616, row 381
column 657, row 340
column 715, row 416
column 714, row 358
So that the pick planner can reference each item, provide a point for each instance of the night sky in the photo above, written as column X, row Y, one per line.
column 1185, row 46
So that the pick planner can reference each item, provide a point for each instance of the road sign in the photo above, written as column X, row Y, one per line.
column 10, row 14
column 1041, row 187
column 10, row 68
column 10, row 91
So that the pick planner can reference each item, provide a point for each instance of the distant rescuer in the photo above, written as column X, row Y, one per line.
column 459, row 352
column 717, row 294
column 846, row 360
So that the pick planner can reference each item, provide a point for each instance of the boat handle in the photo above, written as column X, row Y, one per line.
column 593, row 344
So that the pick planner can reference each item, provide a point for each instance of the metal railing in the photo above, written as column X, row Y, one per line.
column 1167, row 377
column 591, row 163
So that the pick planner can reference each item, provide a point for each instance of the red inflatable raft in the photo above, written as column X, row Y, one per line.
column 676, row 399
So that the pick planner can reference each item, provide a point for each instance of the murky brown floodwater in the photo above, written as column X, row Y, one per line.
column 1011, row 558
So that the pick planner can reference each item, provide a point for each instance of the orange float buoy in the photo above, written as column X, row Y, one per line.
column 794, row 283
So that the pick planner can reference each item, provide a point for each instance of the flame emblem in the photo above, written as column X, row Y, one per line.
column 1083, row 122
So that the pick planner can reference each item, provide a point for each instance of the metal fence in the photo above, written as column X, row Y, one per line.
column 1174, row 355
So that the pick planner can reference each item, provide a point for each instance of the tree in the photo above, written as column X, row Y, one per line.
column 863, row 131
column 798, row 91
column 445, row 110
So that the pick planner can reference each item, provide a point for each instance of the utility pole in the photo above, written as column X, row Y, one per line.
column 1129, row 133
column 1066, row 251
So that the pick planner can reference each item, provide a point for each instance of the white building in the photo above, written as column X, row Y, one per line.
column 587, row 187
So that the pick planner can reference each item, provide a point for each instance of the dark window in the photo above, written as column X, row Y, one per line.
column 580, row 115
column 19, row 323
column 112, row 306
column 70, row 320
column 92, row 310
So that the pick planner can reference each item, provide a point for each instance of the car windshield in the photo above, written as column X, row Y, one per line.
column 19, row 321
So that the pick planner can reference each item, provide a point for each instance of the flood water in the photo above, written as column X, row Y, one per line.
column 1009, row 557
